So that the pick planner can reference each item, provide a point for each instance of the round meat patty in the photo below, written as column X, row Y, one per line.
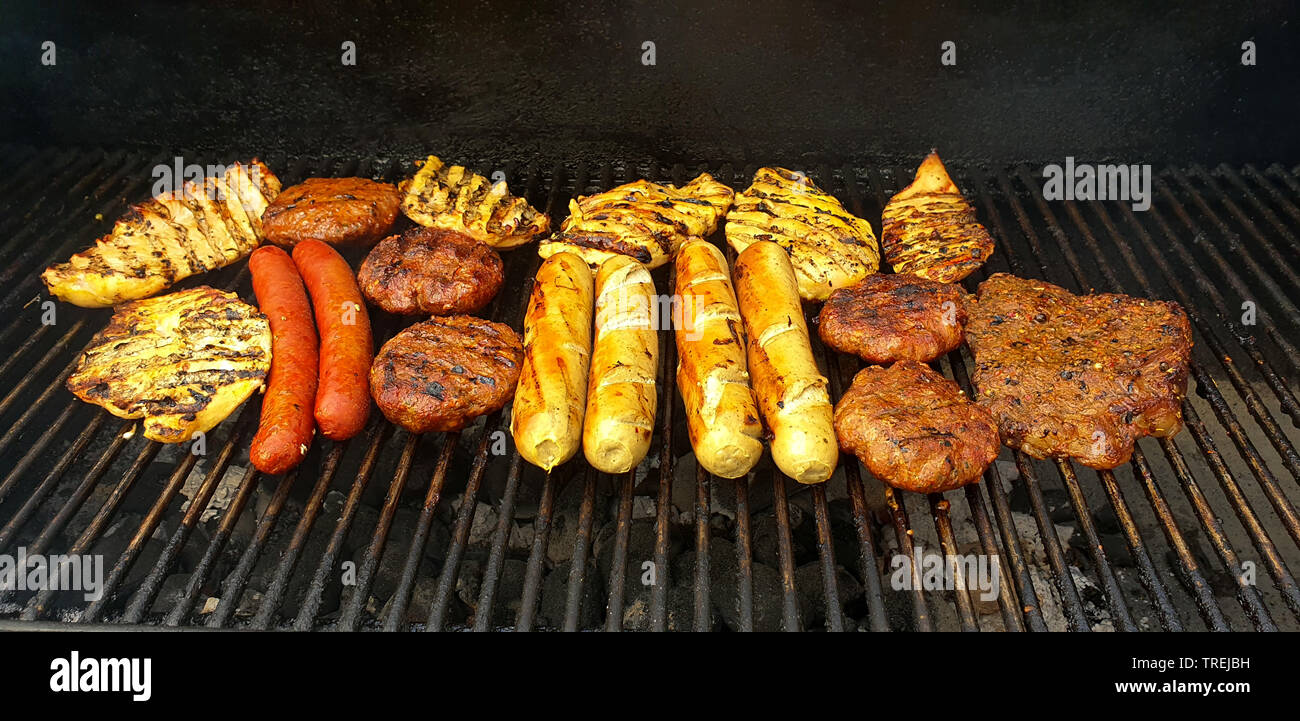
column 441, row 374
column 914, row 429
column 342, row 211
column 431, row 271
column 888, row 318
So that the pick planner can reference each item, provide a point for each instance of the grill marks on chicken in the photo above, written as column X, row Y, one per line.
column 913, row 428
column 441, row 374
column 182, row 361
column 829, row 247
column 646, row 221
column 888, row 318
column 930, row 230
column 1078, row 376
column 161, row 241
column 454, row 198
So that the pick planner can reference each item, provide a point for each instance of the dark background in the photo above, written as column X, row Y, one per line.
column 737, row 81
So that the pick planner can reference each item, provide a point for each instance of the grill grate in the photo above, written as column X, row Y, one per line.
column 397, row 531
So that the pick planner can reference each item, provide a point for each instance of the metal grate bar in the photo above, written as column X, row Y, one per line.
column 351, row 616
column 376, row 437
column 274, row 595
column 37, row 607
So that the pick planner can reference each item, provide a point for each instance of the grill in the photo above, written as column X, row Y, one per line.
column 396, row 531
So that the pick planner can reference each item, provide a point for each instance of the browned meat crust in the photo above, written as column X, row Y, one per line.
column 441, row 374
column 343, row 211
column 431, row 271
column 888, row 318
column 914, row 429
column 1078, row 376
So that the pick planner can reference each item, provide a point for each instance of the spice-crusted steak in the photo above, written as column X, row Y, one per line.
column 888, row 318
column 914, row 429
column 1077, row 376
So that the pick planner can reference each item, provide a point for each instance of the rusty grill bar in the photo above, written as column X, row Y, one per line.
column 398, row 531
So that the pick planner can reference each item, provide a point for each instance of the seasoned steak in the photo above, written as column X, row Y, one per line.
column 913, row 428
column 888, row 318
column 1077, row 376
column 342, row 211
column 430, row 271
column 443, row 373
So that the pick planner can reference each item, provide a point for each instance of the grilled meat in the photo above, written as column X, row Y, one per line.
column 430, row 271
column 342, row 211
column 441, row 374
column 930, row 230
column 829, row 247
column 453, row 198
column 1077, row 376
column 913, row 428
column 644, row 220
column 888, row 318
column 182, row 361
column 169, row 238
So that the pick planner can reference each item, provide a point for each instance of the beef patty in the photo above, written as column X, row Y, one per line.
column 431, row 271
column 342, row 211
column 441, row 374
column 1079, row 376
column 888, row 318
column 914, row 429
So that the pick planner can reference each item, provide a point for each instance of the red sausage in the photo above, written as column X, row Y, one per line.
column 287, row 424
column 346, row 347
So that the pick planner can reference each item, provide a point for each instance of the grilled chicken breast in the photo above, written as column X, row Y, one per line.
column 206, row 226
column 644, row 220
column 453, row 198
column 829, row 247
column 182, row 361
column 930, row 230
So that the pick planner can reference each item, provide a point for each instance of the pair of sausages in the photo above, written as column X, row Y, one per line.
column 612, row 413
column 308, row 389
column 569, row 395
column 720, row 360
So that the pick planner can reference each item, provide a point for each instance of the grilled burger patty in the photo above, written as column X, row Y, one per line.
column 888, row 318
column 169, row 238
column 1077, row 376
column 644, row 220
column 182, row 361
column 342, row 211
column 441, row 374
column 930, row 230
column 453, row 198
column 913, row 428
column 431, row 271
column 829, row 247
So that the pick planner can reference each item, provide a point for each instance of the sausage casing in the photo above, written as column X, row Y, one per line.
column 346, row 346
column 287, row 423
column 621, row 394
column 791, row 390
column 551, row 398
column 712, row 373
